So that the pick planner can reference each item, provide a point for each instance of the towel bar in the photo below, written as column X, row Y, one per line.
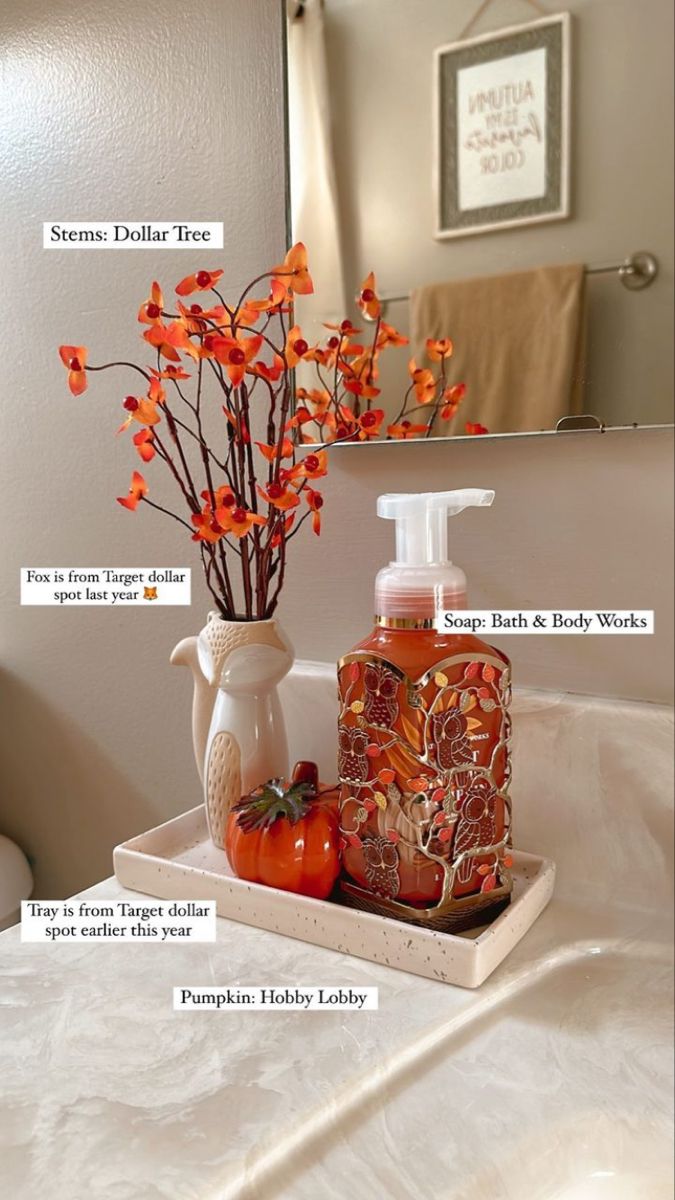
column 635, row 272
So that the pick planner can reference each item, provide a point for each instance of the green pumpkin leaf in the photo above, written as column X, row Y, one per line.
column 274, row 801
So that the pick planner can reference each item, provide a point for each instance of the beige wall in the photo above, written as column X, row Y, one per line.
column 380, row 66
column 581, row 520
column 131, row 111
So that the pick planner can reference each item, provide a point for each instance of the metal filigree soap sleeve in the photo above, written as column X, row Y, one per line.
column 424, row 774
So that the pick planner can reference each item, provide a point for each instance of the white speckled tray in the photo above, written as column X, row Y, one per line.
column 178, row 861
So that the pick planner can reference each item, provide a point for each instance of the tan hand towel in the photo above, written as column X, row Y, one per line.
column 519, row 343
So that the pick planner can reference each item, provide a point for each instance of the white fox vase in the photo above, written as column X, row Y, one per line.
column 238, row 729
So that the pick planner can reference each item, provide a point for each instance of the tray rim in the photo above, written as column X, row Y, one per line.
column 192, row 823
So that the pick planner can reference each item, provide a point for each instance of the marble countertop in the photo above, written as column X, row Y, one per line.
column 552, row 1080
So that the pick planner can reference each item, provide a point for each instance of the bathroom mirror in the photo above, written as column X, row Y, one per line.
column 549, row 267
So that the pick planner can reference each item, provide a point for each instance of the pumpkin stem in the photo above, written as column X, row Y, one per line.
column 274, row 801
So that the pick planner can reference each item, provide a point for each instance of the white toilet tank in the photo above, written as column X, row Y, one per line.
column 16, row 882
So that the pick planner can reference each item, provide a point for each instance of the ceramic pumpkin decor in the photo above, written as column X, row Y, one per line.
column 286, row 835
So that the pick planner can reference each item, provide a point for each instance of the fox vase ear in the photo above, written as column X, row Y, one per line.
column 238, row 724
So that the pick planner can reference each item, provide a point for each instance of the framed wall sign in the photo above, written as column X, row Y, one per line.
column 502, row 128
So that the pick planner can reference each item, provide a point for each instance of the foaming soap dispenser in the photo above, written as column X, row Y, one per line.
column 423, row 738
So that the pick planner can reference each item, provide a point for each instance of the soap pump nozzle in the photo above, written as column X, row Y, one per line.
column 421, row 580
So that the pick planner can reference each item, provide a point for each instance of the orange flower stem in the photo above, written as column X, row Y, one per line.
column 226, row 606
column 186, row 428
column 339, row 441
column 230, row 311
column 134, row 367
column 241, row 476
column 415, row 408
column 266, row 340
column 281, row 555
column 224, row 573
column 204, row 321
column 227, row 392
column 283, row 417
column 256, row 530
column 282, row 327
column 164, row 453
column 263, row 571
column 228, row 545
column 440, row 388
column 207, row 564
column 250, row 390
column 171, row 422
column 215, row 326
column 246, row 580
column 323, row 382
column 202, row 442
column 434, row 414
column 221, row 466
column 372, row 358
column 168, row 513
column 334, row 390
column 183, row 397
column 244, row 393
column 338, row 352
column 403, row 411
column 259, row 587
column 187, row 483
column 298, row 527
column 274, row 527
column 259, row 279
column 281, row 566
column 268, row 318
column 271, row 427
column 250, row 468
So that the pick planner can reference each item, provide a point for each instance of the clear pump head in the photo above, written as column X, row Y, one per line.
column 422, row 580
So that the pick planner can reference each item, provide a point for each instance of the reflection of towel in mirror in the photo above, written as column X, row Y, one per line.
column 519, row 345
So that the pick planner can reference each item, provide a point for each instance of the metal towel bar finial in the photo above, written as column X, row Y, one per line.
column 635, row 272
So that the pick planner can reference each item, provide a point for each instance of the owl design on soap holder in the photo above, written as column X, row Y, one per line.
column 476, row 824
column 352, row 758
column 381, row 866
column 450, row 739
column 381, row 704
